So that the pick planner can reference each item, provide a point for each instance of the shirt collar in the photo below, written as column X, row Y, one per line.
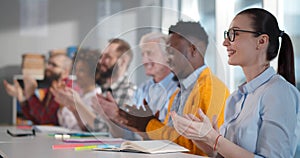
column 165, row 82
column 192, row 78
column 251, row 86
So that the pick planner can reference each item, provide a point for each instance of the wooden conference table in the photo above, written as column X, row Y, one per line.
column 41, row 146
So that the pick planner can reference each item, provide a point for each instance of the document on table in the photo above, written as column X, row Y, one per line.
column 149, row 146
column 50, row 129
column 101, row 140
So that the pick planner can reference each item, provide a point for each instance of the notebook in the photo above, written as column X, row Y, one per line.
column 149, row 146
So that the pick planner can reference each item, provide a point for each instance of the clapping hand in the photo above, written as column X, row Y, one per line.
column 106, row 106
column 30, row 84
column 191, row 126
column 65, row 96
column 135, row 118
column 14, row 90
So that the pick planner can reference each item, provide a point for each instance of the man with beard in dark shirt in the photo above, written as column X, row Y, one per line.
column 42, row 109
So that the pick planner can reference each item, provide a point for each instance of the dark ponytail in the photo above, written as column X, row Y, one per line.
column 286, row 59
column 263, row 21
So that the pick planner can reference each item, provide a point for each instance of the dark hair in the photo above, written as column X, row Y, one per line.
column 189, row 28
column 123, row 48
column 263, row 21
column 67, row 64
column 90, row 57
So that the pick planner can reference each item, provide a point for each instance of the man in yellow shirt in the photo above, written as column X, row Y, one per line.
column 198, row 88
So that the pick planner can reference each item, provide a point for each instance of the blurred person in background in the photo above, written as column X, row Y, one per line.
column 42, row 108
column 76, row 112
column 159, row 88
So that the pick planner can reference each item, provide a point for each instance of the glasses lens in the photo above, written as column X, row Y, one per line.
column 225, row 34
column 231, row 35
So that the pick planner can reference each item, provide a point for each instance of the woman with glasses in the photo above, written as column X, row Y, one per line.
column 262, row 116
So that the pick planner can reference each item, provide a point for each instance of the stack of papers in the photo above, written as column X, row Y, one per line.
column 61, row 132
column 50, row 129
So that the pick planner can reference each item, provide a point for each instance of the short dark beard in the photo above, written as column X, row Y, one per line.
column 47, row 82
column 109, row 72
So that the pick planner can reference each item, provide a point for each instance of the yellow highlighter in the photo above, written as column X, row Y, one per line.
column 90, row 147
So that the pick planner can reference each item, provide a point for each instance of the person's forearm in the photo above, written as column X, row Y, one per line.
column 228, row 149
column 204, row 147
column 84, row 116
column 21, row 98
column 79, row 121
column 225, row 147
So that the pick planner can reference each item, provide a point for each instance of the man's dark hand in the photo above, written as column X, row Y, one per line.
column 136, row 118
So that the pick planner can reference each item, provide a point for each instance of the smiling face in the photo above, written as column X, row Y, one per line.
column 178, row 55
column 155, row 62
column 242, row 51
column 56, row 68
column 109, row 59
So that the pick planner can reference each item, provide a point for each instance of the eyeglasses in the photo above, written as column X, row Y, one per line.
column 230, row 34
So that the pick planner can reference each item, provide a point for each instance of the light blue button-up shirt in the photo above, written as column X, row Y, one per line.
column 262, row 116
column 159, row 96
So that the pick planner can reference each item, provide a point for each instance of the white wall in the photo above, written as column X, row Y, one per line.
column 67, row 24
